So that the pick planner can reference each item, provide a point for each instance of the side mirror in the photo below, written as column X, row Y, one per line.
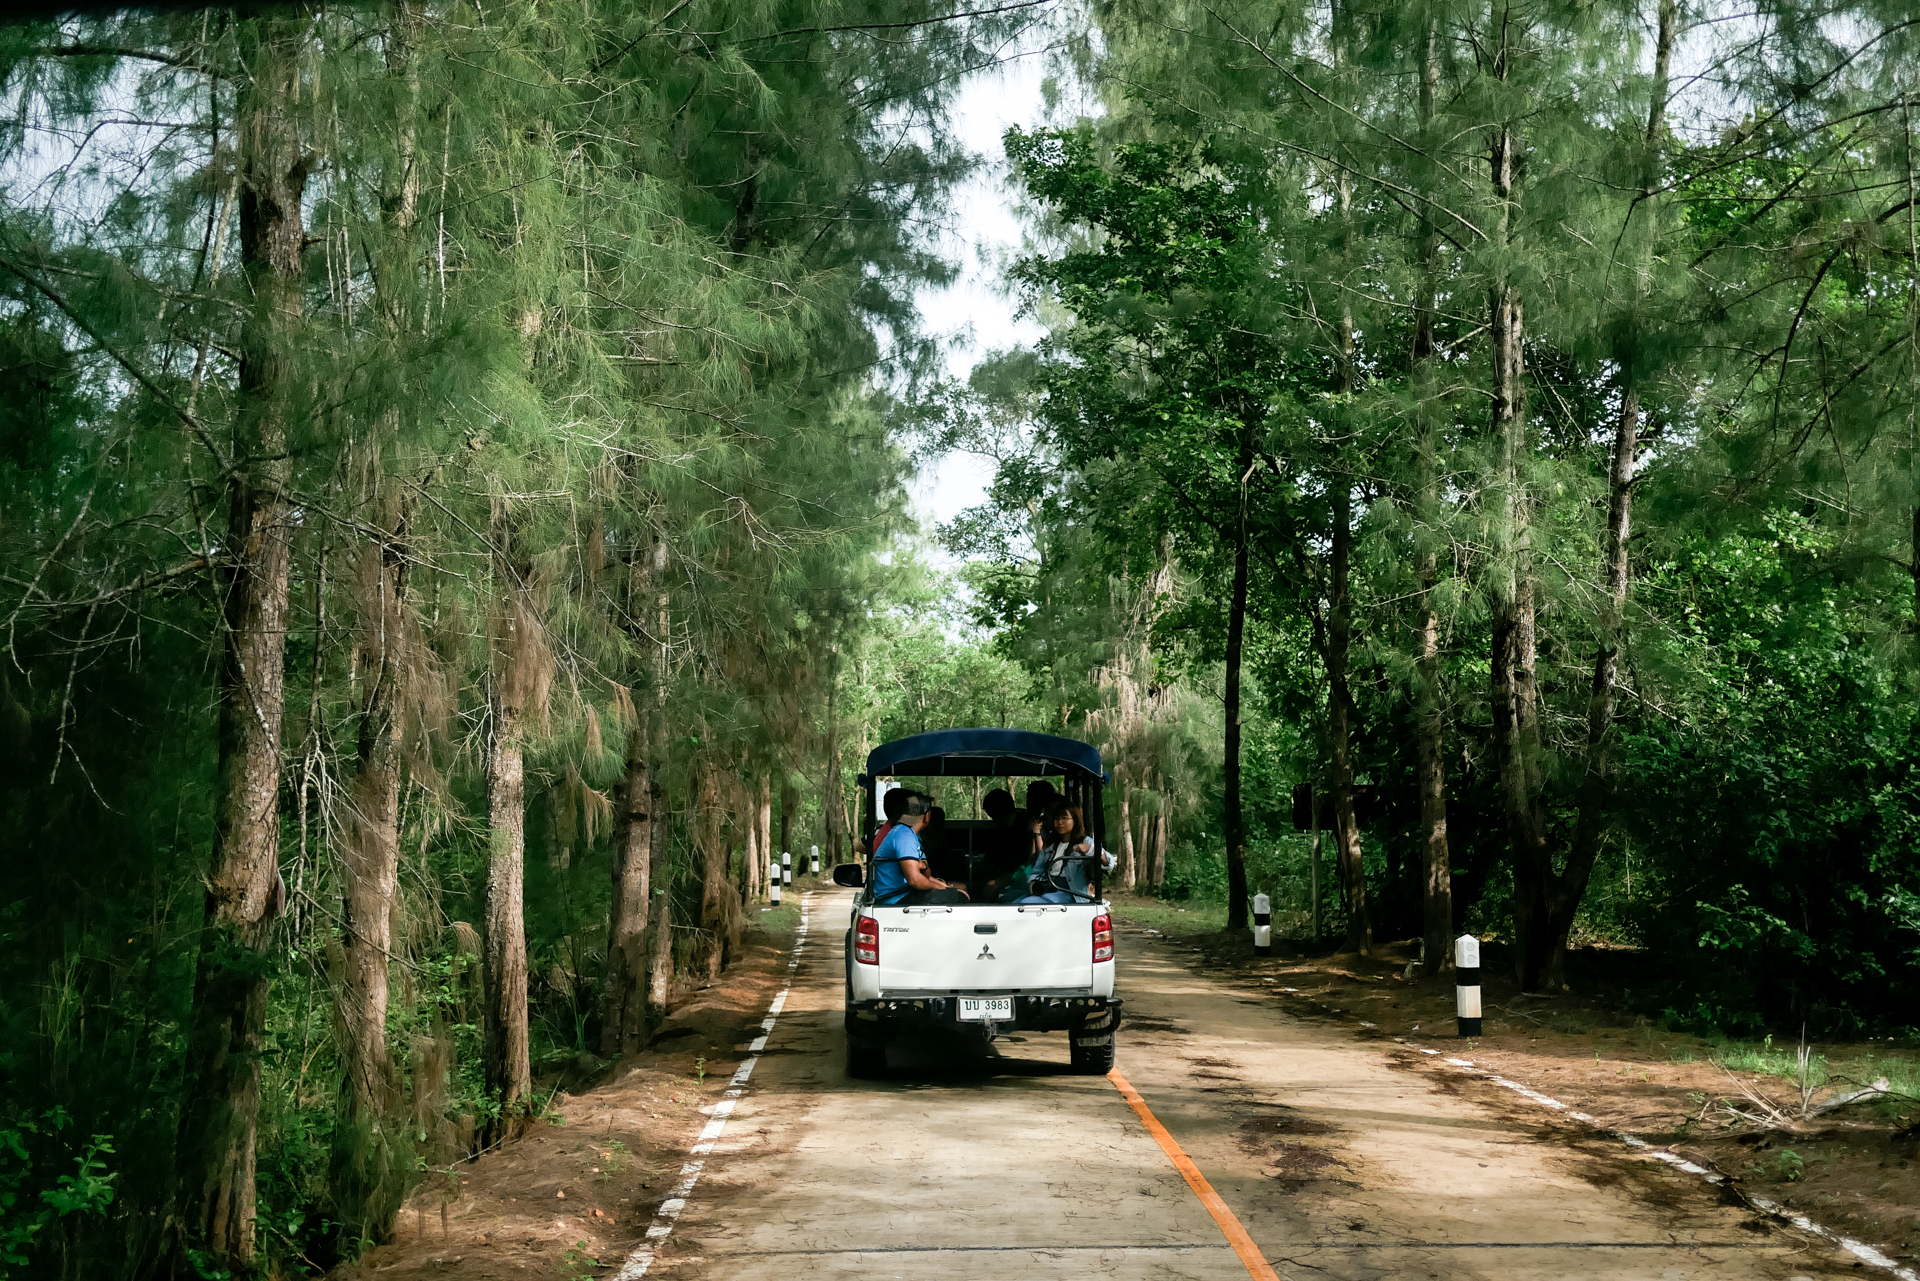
column 851, row 875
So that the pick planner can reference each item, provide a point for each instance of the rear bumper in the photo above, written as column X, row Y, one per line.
column 1083, row 1015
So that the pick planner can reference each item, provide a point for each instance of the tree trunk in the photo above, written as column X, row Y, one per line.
column 1233, row 819
column 370, row 860
column 519, row 653
column 719, row 902
column 219, row 1122
column 752, row 886
column 1566, row 889
column 789, row 802
column 509, row 1072
column 831, row 818
column 1160, row 845
column 1436, row 888
column 1125, row 874
column 660, row 964
column 1346, row 826
column 1511, row 689
column 763, row 825
column 623, row 1024
column 660, row 940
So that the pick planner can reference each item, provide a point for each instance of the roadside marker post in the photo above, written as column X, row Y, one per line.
column 1262, row 925
column 774, row 888
column 1466, row 978
column 786, row 868
column 815, row 859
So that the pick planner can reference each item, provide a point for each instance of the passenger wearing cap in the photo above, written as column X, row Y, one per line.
column 900, row 876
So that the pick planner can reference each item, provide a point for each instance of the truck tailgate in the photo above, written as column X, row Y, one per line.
column 986, row 949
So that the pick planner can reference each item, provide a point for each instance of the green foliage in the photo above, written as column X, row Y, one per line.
column 630, row 277
column 1796, row 766
column 31, row 1202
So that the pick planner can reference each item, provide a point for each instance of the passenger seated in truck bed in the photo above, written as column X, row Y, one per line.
column 891, row 804
column 1001, row 850
column 900, row 876
column 945, row 847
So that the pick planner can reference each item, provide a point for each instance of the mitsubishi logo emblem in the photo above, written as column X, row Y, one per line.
column 986, row 954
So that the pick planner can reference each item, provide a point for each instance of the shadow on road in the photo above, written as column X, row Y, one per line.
column 947, row 1059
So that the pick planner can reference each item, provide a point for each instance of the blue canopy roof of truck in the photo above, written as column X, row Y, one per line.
column 971, row 753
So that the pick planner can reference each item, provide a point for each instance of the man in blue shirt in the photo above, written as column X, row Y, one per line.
column 900, row 866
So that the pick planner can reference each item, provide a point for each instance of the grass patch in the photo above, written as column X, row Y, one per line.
column 1767, row 1058
column 1195, row 916
column 781, row 922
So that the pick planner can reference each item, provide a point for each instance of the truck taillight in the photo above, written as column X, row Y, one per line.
column 866, row 941
column 1103, row 937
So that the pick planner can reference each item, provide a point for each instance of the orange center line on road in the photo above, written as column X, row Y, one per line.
column 1250, row 1256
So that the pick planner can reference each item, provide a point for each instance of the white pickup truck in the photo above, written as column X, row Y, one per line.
column 980, row 968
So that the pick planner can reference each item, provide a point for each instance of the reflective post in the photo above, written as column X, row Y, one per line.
column 1262, row 925
column 1466, row 978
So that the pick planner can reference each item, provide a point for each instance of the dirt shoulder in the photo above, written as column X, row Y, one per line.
column 577, row 1191
column 1855, row 1171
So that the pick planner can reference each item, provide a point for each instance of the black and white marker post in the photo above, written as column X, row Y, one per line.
column 1466, row 978
column 773, row 888
column 1262, row 925
column 815, row 859
column 786, row 868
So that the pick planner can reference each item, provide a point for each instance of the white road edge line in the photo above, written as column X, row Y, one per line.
column 669, row 1212
column 1858, row 1249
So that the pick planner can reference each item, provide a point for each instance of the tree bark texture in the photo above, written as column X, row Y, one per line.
column 515, row 687
column 660, row 921
column 1511, row 690
column 1125, row 874
column 623, row 1023
column 370, row 859
column 1233, row 819
column 1564, row 891
column 1346, row 825
column 719, row 901
column 750, row 881
column 1436, row 885
column 509, row 1072
column 831, row 818
column 763, row 827
column 215, row 1206
column 660, row 933
column 1157, row 845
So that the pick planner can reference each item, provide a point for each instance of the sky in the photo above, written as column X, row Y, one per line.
column 972, row 314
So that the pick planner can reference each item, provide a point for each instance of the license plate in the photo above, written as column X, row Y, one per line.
column 999, row 1009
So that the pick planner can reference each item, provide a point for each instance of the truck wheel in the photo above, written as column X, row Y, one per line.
column 1091, row 1060
column 866, row 1058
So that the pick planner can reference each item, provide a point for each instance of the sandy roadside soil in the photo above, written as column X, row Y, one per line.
column 582, row 1184
column 1856, row 1171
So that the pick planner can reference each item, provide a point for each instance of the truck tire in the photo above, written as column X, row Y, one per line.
column 866, row 1058
column 1091, row 1060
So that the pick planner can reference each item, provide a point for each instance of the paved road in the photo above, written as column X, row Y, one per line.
column 1341, row 1159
